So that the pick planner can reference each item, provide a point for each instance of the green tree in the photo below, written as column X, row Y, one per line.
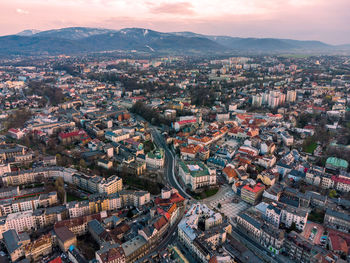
column 59, row 182
column 59, row 186
column 58, row 159
column 332, row 193
column 18, row 118
column 82, row 163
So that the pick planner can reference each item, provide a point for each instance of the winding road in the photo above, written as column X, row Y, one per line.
column 169, row 169
column 170, row 162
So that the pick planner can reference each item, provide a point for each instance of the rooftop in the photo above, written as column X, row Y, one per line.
column 64, row 234
column 337, row 162
column 134, row 244
column 196, row 169
column 254, row 189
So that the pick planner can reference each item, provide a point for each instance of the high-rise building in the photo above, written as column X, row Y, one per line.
column 291, row 95
column 257, row 100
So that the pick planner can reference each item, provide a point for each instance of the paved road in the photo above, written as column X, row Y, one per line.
column 165, row 240
column 169, row 158
column 253, row 246
column 257, row 248
column 170, row 162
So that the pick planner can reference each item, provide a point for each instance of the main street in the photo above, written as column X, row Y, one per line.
column 170, row 162
column 257, row 248
column 168, row 238
column 169, row 158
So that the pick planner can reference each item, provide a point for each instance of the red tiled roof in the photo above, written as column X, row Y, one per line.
column 230, row 172
column 338, row 243
column 256, row 188
column 191, row 148
column 274, row 115
column 340, row 179
column 160, row 223
column 247, row 151
column 176, row 198
column 318, row 108
column 138, row 98
column 186, row 121
column 63, row 135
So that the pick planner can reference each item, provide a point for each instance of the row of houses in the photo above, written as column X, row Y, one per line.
column 30, row 220
column 14, row 205
column 93, row 184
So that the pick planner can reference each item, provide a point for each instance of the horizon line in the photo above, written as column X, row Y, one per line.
column 173, row 32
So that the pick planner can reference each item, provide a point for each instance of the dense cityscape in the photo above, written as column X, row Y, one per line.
column 116, row 159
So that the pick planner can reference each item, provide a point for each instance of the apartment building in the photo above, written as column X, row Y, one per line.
column 294, row 215
column 77, row 209
column 111, row 185
column 252, row 193
column 21, row 221
column 337, row 220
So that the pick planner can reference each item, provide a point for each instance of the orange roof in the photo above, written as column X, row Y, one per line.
column 160, row 223
column 172, row 209
column 236, row 130
column 203, row 139
column 191, row 148
column 230, row 171
column 244, row 116
column 246, row 151
column 224, row 129
column 206, row 139
column 216, row 134
column 176, row 197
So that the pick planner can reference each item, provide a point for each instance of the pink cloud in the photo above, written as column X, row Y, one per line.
column 21, row 11
column 180, row 8
column 314, row 19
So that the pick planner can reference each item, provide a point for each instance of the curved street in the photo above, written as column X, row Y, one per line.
column 170, row 162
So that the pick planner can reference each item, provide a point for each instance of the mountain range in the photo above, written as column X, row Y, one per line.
column 82, row 40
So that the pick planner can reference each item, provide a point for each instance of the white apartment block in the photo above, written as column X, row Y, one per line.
column 77, row 209
column 342, row 182
column 134, row 198
column 257, row 100
column 115, row 202
column 287, row 139
column 4, row 168
column 9, row 206
column 291, row 95
column 298, row 216
column 21, row 221
column 273, row 215
column 187, row 228
column 117, row 136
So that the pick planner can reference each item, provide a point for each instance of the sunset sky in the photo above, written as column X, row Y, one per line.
column 325, row 20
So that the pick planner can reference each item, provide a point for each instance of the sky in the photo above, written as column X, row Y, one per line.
column 324, row 20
